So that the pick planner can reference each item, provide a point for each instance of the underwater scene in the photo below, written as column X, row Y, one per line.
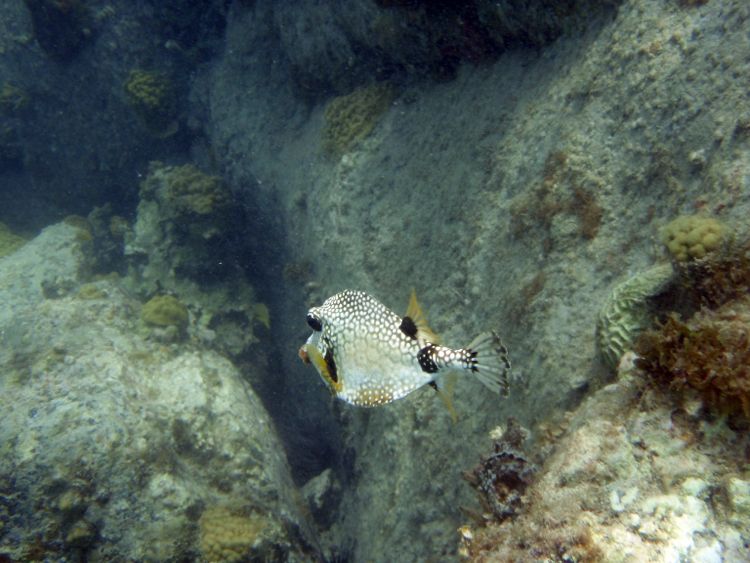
column 375, row 281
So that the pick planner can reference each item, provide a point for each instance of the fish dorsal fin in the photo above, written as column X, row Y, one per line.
column 415, row 314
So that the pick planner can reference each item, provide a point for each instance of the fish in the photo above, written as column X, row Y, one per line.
column 370, row 356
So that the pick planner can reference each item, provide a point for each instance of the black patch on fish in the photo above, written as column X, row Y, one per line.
column 408, row 327
column 331, row 363
column 426, row 360
column 433, row 385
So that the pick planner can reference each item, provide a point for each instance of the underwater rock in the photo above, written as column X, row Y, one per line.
column 335, row 49
column 60, row 26
column 114, row 447
column 634, row 478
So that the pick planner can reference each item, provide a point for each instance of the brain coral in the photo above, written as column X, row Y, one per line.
column 627, row 311
column 690, row 237
column 350, row 118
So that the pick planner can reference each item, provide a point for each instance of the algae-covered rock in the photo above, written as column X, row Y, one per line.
column 691, row 237
column 184, row 242
column 351, row 118
column 112, row 446
column 627, row 311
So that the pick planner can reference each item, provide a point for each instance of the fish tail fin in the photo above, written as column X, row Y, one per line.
column 489, row 362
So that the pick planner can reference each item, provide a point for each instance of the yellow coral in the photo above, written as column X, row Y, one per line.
column 164, row 311
column 691, row 237
column 350, row 118
column 226, row 537
column 151, row 94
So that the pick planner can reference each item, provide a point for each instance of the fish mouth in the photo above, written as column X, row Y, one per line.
column 313, row 340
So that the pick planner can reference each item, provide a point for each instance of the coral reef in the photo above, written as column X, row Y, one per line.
column 350, row 118
column 151, row 94
column 184, row 242
column 227, row 536
column 193, row 204
column 691, row 237
column 629, row 310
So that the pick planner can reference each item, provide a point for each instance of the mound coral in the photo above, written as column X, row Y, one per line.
column 350, row 118
column 691, row 237
column 227, row 536
column 151, row 94
column 165, row 311
column 192, row 191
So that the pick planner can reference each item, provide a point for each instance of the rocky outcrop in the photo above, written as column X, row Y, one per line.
column 116, row 446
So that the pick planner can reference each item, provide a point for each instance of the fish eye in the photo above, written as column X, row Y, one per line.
column 314, row 323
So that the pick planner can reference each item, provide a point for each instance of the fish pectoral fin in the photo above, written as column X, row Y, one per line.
column 318, row 360
column 415, row 317
column 445, row 391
